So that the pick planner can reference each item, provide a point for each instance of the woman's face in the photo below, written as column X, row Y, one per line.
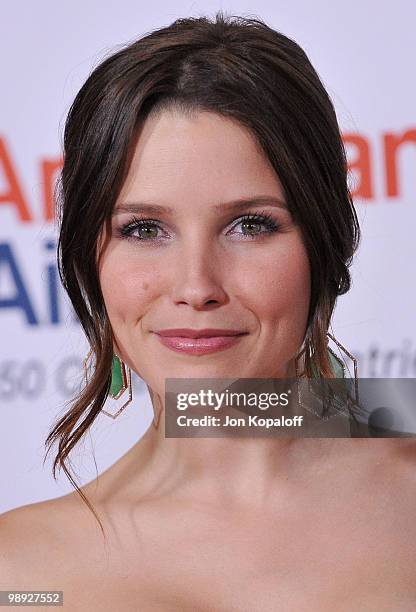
column 196, row 263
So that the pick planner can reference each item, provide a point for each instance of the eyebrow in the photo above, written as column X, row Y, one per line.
column 234, row 205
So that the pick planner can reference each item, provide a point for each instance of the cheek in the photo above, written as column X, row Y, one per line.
column 127, row 287
column 279, row 287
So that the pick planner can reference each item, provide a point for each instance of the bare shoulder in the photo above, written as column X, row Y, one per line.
column 39, row 538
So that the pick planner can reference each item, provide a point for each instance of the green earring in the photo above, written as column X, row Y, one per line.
column 118, row 377
column 120, row 382
column 336, row 364
column 338, row 368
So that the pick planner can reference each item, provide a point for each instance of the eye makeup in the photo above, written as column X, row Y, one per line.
column 136, row 225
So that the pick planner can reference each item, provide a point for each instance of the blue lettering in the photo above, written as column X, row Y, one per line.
column 21, row 298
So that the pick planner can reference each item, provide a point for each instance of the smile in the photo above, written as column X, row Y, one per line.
column 199, row 346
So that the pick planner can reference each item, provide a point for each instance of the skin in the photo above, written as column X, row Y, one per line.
column 219, row 524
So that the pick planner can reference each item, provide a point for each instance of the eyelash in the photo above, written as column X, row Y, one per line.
column 125, row 231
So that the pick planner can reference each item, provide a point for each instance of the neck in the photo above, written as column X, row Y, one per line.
column 241, row 472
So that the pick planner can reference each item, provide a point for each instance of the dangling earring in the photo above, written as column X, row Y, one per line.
column 336, row 362
column 338, row 367
column 120, row 382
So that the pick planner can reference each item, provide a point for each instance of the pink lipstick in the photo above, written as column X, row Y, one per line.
column 199, row 342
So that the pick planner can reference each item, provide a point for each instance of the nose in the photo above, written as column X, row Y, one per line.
column 198, row 277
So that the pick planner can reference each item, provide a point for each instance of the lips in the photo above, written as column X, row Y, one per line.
column 198, row 342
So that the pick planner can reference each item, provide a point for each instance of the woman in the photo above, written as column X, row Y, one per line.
column 205, row 187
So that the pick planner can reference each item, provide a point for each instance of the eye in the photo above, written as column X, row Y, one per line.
column 252, row 223
column 140, row 229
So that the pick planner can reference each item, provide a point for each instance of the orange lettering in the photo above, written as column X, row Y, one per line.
column 13, row 193
column 392, row 142
column 361, row 164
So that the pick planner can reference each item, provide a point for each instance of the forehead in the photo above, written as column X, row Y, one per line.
column 204, row 158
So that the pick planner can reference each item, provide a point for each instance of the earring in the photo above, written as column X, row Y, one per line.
column 338, row 367
column 120, row 382
column 336, row 362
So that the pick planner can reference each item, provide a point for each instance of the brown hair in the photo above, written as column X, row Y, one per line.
column 240, row 68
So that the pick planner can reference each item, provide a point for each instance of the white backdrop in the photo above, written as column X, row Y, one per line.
column 364, row 53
